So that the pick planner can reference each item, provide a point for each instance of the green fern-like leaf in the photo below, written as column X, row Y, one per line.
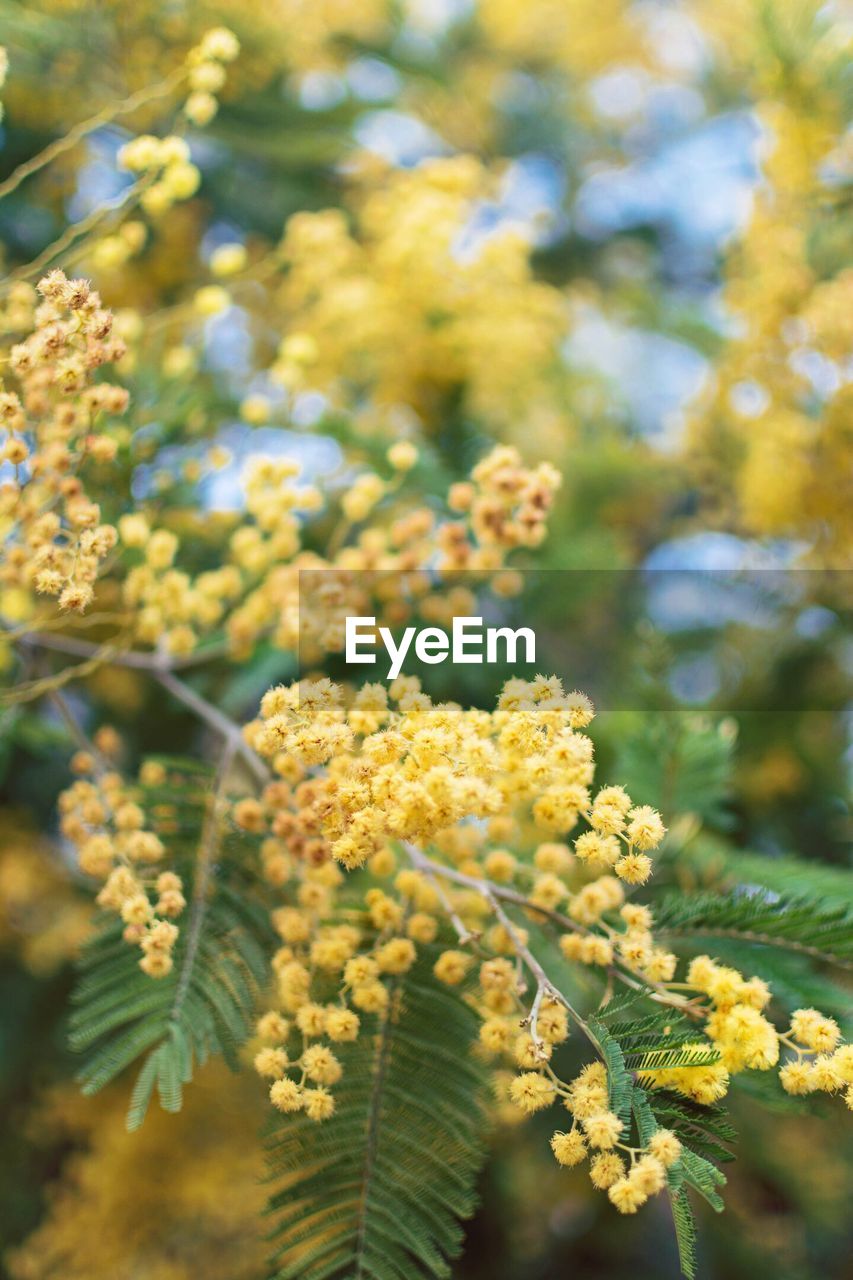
column 679, row 764
column 657, row 1040
column 800, row 924
column 644, row 1117
column 206, row 1004
column 704, row 1128
column 618, row 1079
column 726, row 865
column 652, row 1111
column 379, row 1192
column 622, row 1001
column 697, row 1127
column 685, row 1232
column 704, row 1176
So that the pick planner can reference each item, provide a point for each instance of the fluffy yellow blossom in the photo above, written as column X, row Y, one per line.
column 814, row 1031
column 569, row 1148
column 606, row 1169
column 451, row 967
column 665, row 1147
column 703, row 1084
column 531, row 1092
column 627, row 1195
column 228, row 259
column 602, row 1129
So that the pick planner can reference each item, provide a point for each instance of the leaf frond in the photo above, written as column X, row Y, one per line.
column 379, row 1193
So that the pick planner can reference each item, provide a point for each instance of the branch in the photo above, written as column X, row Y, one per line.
column 102, row 765
column 158, row 665
column 493, row 893
column 217, row 720
column 756, row 935
column 462, row 932
column 80, row 131
column 113, row 654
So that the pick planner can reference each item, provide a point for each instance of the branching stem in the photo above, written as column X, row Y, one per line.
column 217, row 720
column 80, row 131
column 496, row 895
column 493, row 894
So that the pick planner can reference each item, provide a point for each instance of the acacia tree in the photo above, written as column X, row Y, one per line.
column 415, row 917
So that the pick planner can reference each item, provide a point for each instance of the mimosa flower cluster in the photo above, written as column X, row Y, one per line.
column 404, row 768
column 503, row 507
column 56, row 543
column 169, row 175
column 103, row 817
column 57, row 425
column 785, row 432
column 329, row 976
column 429, row 797
column 747, row 1039
column 401, row 787
column 475, row 319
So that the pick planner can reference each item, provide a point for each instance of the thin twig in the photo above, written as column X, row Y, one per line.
column 463, row 933
column 492, row 891
column 161, row 667
column 77, row 229
column 493, row 894
column 532, row 1021
column 80, row 131
column 33, row 689
column 217, row 720
column 544, row 985
column 77, row 733
column 112, row 652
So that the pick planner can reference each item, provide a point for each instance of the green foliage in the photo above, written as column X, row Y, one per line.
column 207, row 1003
column 703, row 1128
column 785, row 874
column 701, row 1131
column 619, row 1081
column 205, row 1006
column 685, row 1231
column 679, row 764
column 656, row 1042
column 651, row 1041
column 801, row 924
column 655, row 1038
column 378, row 1192
column 647, row 1121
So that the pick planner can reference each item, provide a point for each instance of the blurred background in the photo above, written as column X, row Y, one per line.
column 635, row 263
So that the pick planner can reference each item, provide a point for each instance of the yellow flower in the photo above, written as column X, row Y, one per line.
column 271, row 1062
column 531, row 1092
column 569, row 1148
column 603, row 1129
column 626, row 1195
column 665, row 1147
column 211, row 300
column 451, row 967
column 286, row 1095
column 227, row 260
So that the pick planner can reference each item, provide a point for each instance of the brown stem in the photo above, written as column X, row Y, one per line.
column 217, row 720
